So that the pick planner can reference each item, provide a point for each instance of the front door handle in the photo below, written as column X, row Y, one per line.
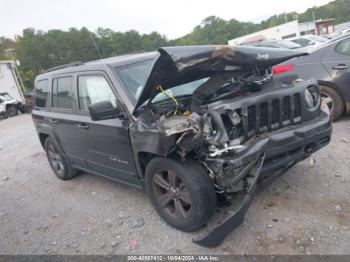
column 340, row 67
column 83, row 126
column 54, row 121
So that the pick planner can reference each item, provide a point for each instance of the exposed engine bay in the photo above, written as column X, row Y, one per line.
column 230, row 107
column 191, row 115
column 241, row 125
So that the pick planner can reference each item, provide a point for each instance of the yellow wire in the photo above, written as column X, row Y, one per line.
column 170, row 96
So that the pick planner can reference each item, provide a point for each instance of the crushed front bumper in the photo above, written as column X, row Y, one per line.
column 271, row 155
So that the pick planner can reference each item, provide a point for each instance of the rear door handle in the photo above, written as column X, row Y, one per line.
column 83, row 126
column 340, row 67
column 54, row 121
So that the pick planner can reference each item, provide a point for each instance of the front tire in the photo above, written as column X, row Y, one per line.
column 333, row 100
column 181, row 192
column 59, row 164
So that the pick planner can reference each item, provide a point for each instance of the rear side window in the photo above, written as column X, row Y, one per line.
column 343, row 47
column 92, row 89
column 41, row 93
column 62, row 93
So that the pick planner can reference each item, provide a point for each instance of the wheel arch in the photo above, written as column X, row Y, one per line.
column 339, row 91
column 333, row 86
column 143, row 158
column 42, row 138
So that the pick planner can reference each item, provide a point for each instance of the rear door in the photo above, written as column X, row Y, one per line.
column 106, row 147
column 337, row 63
column 63, row 117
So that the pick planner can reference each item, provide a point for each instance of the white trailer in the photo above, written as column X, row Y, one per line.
column 11, row 92
column 9, row 80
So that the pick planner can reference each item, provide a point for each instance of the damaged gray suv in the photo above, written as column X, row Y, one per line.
column 199, row 128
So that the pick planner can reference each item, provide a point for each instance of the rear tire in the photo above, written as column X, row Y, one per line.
column 58, row 162
column 181, row 192
column 334, row 101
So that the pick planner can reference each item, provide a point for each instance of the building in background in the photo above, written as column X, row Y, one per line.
column 10, row 81
column 288, row 30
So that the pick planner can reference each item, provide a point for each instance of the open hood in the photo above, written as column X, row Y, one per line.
column 183, row 64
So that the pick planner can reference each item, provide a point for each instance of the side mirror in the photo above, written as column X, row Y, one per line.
column 104, row 110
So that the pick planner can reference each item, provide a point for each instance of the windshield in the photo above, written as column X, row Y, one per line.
column 134, row 77
column 180, row 90
column 5, row 97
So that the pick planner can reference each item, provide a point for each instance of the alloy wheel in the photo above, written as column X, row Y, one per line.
column 172, row 194
column 55, row 159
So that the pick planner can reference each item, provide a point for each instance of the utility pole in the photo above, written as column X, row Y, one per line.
column 95, row 45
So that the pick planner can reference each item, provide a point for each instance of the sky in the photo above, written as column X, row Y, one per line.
column 171, row 18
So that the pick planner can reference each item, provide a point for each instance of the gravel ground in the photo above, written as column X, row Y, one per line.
column 306, row 211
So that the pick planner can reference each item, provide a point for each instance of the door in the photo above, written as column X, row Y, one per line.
column 63, row 119
column 337, row 63
column 106, row 147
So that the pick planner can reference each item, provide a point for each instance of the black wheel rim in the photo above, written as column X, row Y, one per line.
column 55, row 159
column 328, row 100
column 171, row 194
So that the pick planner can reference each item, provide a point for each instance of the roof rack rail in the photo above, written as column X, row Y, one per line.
column 77, row 63
column 133, row 52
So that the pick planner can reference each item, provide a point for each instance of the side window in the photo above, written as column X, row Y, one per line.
column 62, row 93
column 92, row 89
column 41, row 93
column 343, row 47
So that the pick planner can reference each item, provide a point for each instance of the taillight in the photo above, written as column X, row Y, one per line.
column 282, row 68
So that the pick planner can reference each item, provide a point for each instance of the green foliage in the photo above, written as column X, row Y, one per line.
column 28, row 79
column 39, row 50
column 6, row 44
column 215, row 30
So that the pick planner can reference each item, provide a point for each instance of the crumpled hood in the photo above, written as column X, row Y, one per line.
column 183, row 64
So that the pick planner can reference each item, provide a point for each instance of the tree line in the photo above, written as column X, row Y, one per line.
column 37, row 50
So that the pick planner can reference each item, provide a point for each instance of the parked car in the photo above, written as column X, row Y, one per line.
column 275, row 44
column 330, row 65
column 195, row 127
column 337, row 33
column 310, row 41
column 10, row 105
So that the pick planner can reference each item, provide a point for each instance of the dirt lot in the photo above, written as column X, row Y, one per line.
column 307, row 211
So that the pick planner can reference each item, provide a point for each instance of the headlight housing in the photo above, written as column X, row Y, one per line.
column 312, row 97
